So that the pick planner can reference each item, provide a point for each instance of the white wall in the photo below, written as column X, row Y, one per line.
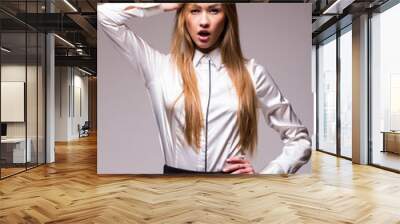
column 278, row 36
column 33, row 127
column 67, row 84
column 61, row 103
column 16, row 72
column 79, row 117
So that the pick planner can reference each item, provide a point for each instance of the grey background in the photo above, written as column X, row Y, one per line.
column 278, row 36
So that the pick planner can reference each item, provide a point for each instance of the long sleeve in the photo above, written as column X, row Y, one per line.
column 279, row 115
column 113, row 18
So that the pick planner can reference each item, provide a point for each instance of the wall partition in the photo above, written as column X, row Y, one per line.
column 22, row 88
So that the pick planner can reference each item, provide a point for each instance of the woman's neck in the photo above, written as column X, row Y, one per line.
column 208, row 50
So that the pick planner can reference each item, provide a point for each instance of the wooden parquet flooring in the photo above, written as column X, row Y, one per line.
column 70, row 191
column 10, row 171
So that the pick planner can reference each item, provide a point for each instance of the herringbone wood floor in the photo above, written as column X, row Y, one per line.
column 70, row 191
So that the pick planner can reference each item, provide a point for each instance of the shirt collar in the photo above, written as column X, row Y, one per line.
column 215, row 57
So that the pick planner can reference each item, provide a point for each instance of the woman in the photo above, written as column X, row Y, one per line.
column 205, row 94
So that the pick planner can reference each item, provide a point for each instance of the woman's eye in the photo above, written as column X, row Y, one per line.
column 214, row 11
column 194, row 11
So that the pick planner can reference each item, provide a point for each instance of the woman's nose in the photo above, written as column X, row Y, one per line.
column 204, row 20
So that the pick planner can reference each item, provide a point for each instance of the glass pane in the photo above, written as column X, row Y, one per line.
column 386, row 89
column 31, row 101
column 23, row 84
column 31, row 84
column 327, row 96
column 41, row 98
column 13, row 88
column 346, row 94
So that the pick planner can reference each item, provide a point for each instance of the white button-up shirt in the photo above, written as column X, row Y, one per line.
column 217, row 93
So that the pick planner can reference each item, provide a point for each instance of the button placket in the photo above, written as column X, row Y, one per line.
column 207, row 111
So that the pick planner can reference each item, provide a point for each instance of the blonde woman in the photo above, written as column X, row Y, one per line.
column 204, row 93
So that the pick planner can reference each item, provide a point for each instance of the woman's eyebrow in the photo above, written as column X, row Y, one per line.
column 194, row 6
column 216, row 5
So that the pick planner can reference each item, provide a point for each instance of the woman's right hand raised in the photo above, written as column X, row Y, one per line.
column 171, row 6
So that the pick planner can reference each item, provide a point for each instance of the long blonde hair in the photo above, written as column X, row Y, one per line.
column 182, row 52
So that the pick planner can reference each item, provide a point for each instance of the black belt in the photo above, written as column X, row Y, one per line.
column 173, row 170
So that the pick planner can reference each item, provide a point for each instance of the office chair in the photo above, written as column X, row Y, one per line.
column 84, row 130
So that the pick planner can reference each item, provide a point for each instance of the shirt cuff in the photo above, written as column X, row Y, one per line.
column 273, row 168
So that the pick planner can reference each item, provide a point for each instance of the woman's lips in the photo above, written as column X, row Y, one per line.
column 204, row 39
column 204, row 36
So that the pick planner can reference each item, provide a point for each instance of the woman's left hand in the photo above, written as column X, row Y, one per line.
column 238, row 165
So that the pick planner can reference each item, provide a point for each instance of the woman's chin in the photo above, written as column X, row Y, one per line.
column 202, row 45
column 204, row 48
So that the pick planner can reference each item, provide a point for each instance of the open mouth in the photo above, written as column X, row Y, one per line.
column 204, row 35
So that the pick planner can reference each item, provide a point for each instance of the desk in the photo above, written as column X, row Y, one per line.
column 391, row 141
column 13, row 150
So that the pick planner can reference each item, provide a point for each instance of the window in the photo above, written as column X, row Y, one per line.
column 333, row 137
column 346, row 93
column 385, row 89
column 327, row 95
